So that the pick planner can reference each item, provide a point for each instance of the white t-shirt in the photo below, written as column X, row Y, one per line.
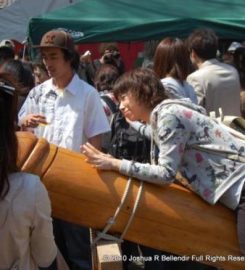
column 74, row 114
column 26, row 232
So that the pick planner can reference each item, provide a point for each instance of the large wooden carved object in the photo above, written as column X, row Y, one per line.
column 168, row 218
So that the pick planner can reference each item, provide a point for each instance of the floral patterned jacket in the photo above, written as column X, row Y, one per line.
column 178, row 128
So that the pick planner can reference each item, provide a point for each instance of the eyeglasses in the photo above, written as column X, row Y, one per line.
column 7, row 88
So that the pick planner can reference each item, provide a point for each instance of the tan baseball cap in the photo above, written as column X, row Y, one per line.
column 57, row 39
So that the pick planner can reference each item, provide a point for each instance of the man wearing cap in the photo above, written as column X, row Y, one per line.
column 216, row 84
column 67, row 112
column 7, row 51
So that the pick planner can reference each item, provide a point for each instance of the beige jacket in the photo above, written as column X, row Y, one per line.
column 217, row 86
column 26, row 233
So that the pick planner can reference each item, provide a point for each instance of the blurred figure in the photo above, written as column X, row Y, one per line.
column 84, row 69
column 26, row 234
column 243, row 104
column 40, row 72
column 216, row 84
column 105, row 78
column 239, row 63
column 6, row 54
column 172, row 65
column 7, row 43
column 109, row 54
column 149, row 52
column 22, row 74
column 24, row 54
column 228, row 56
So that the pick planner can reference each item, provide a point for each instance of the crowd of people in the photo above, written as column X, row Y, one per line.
column 148, row 123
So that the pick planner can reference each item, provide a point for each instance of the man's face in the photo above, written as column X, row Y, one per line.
column 53, row 59
column 39, row 75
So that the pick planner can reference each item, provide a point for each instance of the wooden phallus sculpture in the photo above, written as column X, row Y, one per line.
column 169, row 218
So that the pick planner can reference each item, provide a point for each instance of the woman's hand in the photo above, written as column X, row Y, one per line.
column 100, row 160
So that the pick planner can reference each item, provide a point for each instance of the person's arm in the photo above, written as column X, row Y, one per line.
column 42, row 245
column 96, row 141
column 143, row 129
column 95, row 120
column 172, row 142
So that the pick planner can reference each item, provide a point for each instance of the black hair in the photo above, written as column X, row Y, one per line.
column 8, row 140
column 22, row 74
column 6, row 53
column 72, row 57
column 204, row 43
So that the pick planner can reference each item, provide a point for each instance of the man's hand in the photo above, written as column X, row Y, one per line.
column 33, row 120
column 100, row 160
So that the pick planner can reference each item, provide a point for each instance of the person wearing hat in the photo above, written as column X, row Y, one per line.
column 7, row 43
column 7, row 51
column 67, row 112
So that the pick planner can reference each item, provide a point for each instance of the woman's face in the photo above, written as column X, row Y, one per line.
column 132, row 109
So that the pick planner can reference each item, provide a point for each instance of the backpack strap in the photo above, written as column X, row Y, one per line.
column 110, row 103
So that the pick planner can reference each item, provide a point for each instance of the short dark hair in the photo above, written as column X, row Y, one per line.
column 72, row 57
column 105, row 77
column 172, row 59
column 143, row 84
column 6, row 53
column 204, row 43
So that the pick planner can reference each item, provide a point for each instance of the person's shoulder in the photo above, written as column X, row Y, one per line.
column 25, row 179
column 195, row 74
column 84, row 86
column 229, row 67
column 25, row 183
column 45, row 86
column 169, row 81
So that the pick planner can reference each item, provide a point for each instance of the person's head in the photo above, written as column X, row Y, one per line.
column 108, row 47
column 40, row 72
column 138, row 92
column 110, row 54
column 6, row 54
column 203, row 43
column 58, row 53
column 172, row 59
column 105, row 77
column 7, row 43
column 22, row 74
column 239, row 63
column 8, row 140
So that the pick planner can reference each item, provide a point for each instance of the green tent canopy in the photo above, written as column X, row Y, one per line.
column 139, row 20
